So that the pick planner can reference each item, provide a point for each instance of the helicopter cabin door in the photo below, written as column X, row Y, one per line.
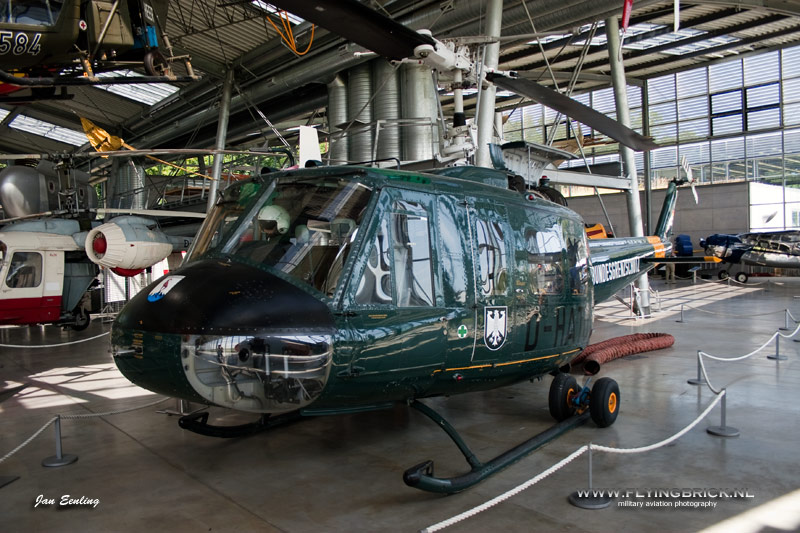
column 30, row 290
column 491, row 259
column 394, row 310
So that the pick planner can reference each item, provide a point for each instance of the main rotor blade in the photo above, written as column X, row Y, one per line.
column 573, row 109
column 358, row 23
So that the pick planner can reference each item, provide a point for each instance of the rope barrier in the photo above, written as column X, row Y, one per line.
column 577, row 453
column 491, row 503
column 728, row 315
column 74, row 417
column 701, row 355
column 28, row 441
column 111, row 413
column 53, row 345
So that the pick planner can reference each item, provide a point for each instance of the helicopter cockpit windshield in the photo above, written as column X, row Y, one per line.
column 302, row 227
column 30, row 12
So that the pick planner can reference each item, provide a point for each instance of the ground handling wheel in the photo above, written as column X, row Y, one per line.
column 563, row 390
column 741, row 277
column 604, row 403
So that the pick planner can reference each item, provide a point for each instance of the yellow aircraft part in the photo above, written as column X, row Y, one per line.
column 596, row 232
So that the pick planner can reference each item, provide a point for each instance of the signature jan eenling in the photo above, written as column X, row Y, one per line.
column 66, row 500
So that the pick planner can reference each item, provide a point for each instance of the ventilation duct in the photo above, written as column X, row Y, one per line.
column 337, row 115
column 386, row 83
column 419, row 102
column 359, row 112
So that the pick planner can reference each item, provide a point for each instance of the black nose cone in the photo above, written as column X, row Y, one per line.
column 224, row 298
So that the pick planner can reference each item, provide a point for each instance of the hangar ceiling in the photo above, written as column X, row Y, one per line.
column 273, row 82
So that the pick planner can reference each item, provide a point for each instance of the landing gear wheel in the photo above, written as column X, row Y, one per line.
column 562, row 390
column 604, row 403
column 82, row 320
column 723, row 275
column 155, row 64
column 741, row 277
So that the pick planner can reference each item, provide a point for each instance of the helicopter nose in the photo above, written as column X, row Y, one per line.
column 228, row 334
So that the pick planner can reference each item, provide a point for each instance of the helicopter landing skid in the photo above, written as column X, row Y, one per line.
column 422, row 477
column 198, row 423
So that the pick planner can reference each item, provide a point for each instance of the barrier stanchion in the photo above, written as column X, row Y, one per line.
column 785, row 321
column 699, row 380
column 681, row 318
column 777, row 356
column 588, row 499
column 59, row 459
column 723, row 430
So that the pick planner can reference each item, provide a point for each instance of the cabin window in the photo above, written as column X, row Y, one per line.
column 577, row 260
column 25, row 270
column 413, row 267
column 451, row 255
column 375, row 286
column 545, row 252
column 33, row 12
column 492, row 267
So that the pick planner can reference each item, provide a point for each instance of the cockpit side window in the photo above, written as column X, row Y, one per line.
column 25, row 270
column 375, row 285
column 400, row 266
column 33, row 12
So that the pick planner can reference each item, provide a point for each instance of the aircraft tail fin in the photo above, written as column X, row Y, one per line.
column 665, row 219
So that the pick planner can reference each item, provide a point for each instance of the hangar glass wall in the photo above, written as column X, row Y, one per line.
column 733, row 121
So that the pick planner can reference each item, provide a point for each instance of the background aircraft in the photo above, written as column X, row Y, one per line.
column 778, row 249
column 44, row 44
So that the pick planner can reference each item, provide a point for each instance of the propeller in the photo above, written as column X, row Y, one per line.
column 689, row 177
column 358, row 23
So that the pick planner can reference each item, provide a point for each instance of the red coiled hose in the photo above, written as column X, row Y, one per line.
column 596, row 354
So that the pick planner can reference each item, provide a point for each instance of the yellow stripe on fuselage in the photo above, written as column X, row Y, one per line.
column 659, row 248
column 491, row 365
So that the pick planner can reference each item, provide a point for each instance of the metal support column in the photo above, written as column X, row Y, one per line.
column 222, row 131
column 485, row 119
column 626, row 153
column 648, row 179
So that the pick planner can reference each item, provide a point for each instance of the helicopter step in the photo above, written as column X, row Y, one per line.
column 198, row 423
column 422, row 475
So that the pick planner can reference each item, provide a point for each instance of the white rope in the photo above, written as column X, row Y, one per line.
column 577, row 453
column 742, row 357
column 53, row 345
column 110, row 413
column 730, row 315
column 73, row 417
column 666, row 441
column 491, row 503
column 18, row 448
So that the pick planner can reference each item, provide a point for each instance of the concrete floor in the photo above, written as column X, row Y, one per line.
column 345, row 473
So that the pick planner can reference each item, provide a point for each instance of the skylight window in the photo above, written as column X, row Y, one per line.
column 48, row 130
column 701, row 45
column 3, row 114
column 269, row 8
column 144, row 93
